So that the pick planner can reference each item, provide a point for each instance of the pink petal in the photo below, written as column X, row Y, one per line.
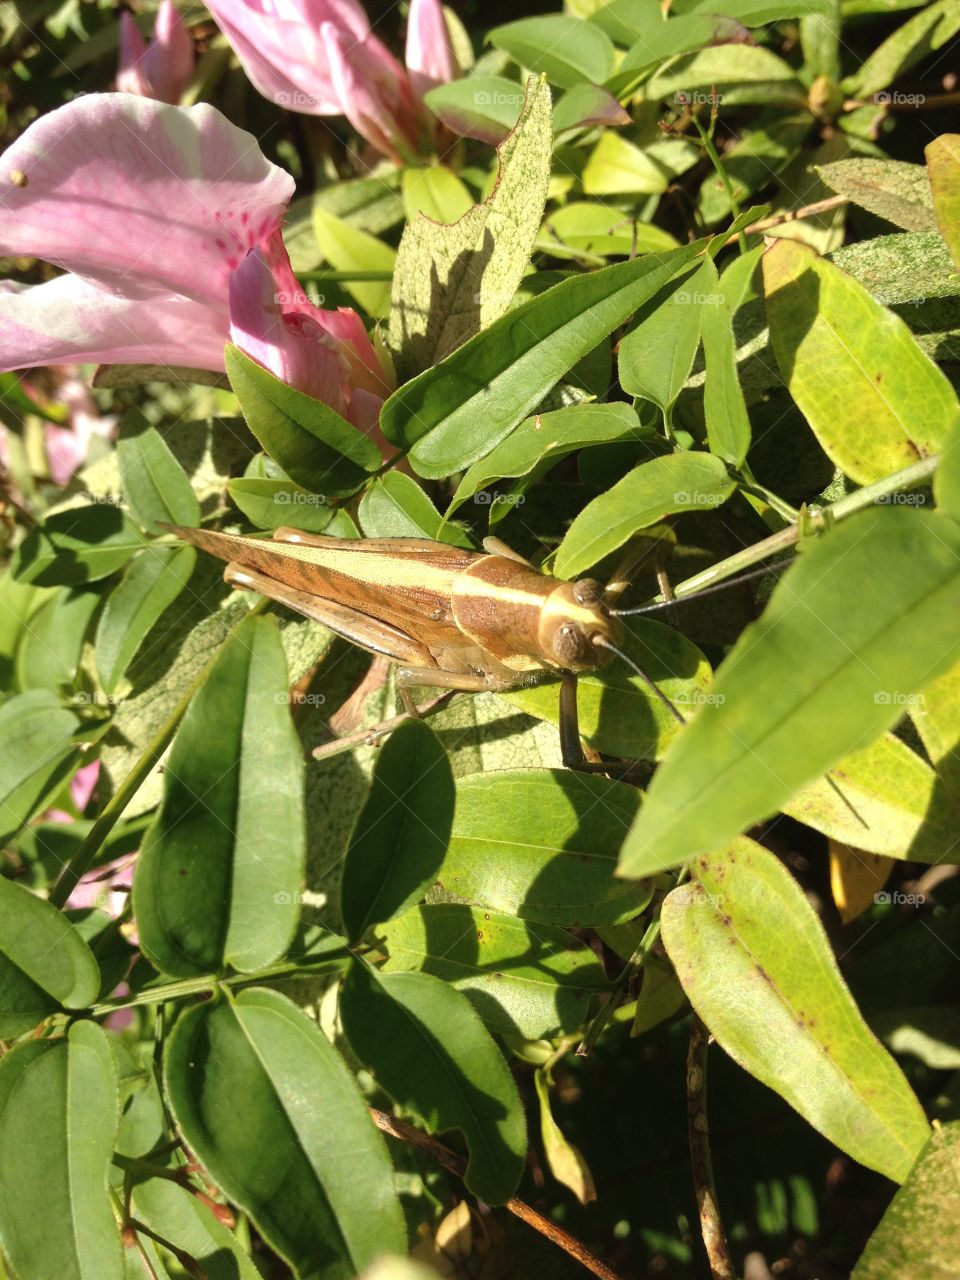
column 170, row 60
column 69, row 320
column 133, row 47
column 291, row 346
column 96, row 888
column 139, row 195
column 278, row 42
column 373, row 91
column 66, row 450
column 346, row 328
column 83, row 784
column 429, row 54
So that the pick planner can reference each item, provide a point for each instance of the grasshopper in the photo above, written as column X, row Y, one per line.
column 449, row 618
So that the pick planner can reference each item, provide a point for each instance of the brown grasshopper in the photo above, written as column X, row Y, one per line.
column 450, row 618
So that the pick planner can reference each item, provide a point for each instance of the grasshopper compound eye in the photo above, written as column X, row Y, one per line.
column 570, row 645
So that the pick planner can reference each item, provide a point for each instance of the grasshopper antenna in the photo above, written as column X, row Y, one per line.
column 602, row 643
column 707, row 591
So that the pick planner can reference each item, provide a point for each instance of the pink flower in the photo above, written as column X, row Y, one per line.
column 67, row 446
column 321, row 57
column 167, row 222
column 162, row 69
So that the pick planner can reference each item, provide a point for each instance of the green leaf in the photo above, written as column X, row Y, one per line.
column 36, row 755
column 565, row 1161
column 920, row 36
column 657, row 42
column 946, row 483
column 17, row 602
column 524, row 980
column 481, row 107
column 618, row 167
column 153, row 482
column 177, row 1215
column 618, row 713
column 937, row 720
column 311, row 442
column 736, row 73
column 268, row 504
column 884, row 799
column 151, row 583
column 303, row 1126
column 656, row 356
column 943, row 162
column 436, row 192
column 402, row 832
column 567, row 51
column 43, row 961
column 83, row 544
column 218, row 880
column 544, row 439
column 589, row 227
column 875, row 402
column 58, row 1120
column 891, row 189
column 395, row 506
column 757, row 967
column 862, row 620
column 542, row 844
column 455, row 413
column 48, row 656
column 453, row 281
column 432, row 1054
column 904, row 1243
column 725, row 410
column 585, row 105
column 661, row 487
column 348, row 249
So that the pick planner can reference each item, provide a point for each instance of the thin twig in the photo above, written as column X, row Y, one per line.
column 456, row 1165
column 711, row 1226
column 793, row 215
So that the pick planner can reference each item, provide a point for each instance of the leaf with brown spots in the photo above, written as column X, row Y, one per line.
column 757, row 967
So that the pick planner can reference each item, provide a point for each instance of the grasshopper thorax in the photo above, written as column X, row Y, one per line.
column 576, row 626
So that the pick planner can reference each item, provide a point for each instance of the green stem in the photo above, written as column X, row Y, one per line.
column 909, row 478
column 706, row 137
column 630, row 969
column 187, row 987
column 82, row 860
column 346, row 276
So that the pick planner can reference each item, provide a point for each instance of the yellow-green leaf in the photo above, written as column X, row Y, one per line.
column 756, row 964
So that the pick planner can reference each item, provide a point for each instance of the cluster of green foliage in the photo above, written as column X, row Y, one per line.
column 596, row 352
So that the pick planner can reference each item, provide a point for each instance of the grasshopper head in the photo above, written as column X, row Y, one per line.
column 575, row 625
